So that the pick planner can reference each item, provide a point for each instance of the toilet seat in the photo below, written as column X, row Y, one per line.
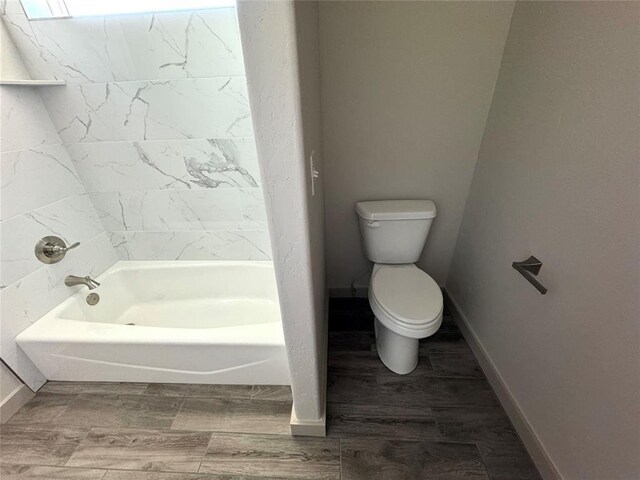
column 406, row 300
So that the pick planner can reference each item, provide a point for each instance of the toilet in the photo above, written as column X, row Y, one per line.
column 407, row 303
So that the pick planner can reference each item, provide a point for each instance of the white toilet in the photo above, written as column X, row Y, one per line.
column 407, row 302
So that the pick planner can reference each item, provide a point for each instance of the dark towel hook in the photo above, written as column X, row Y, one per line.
column 531, row 266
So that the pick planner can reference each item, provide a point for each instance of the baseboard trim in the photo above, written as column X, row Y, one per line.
column 306, row 428
column 317, row 428
column 14, row 402
column 531, row 441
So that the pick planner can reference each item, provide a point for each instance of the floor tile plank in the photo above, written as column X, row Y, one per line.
column 199, row 390
column 234, row 415
column 369, row 363
column 39, row 444
column 454, row 365
column 351, row 341
column 42, row 408
column 396, row 390
column 444, row 342
column 135, row 449
column 131, row 475
column 37, row 472
column 76, row 388
column 356, row 420
column 473, row 424
column 260, row 456
column 272, row 392
column 127, row 411
column 375, row 459
column 508, row 461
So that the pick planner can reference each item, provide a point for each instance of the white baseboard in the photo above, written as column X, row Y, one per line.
column 531, row 441
column 14, row 401
column 304, row 428
column 317, row 428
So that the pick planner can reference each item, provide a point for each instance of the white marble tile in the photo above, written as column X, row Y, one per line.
column 11, row 7
column 169, row 210
column 224, row 245
column 73, row 219
column 36, row 177
column 219, row 163
column 108, row 166
column 119, row 210
column 158, row 165
column 25, row 301
column 168, row 45
column 254, row 212
column 24, row 121
column 154, row 110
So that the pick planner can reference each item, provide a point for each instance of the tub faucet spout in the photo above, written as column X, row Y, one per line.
column 72, row 280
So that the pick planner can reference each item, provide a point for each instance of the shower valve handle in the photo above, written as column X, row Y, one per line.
column 52, row 249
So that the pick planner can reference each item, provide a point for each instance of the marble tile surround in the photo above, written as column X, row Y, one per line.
column 156, row 121
column 41, row 194
column 175, row 45
column 161, row 165
column 214, row 107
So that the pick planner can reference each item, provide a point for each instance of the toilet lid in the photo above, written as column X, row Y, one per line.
column 407, row 293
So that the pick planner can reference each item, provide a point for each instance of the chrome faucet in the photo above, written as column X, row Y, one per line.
column 72, row 280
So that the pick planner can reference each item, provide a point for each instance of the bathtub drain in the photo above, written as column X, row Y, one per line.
column 130, row 324
column 93, row 299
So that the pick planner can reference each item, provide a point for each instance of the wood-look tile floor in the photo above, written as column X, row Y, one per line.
column 440, row 422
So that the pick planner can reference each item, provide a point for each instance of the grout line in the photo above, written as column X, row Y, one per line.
column 142, row 141
column 204, row 454
column 340, row 455
column 41, row 146
column 48, row 205
column 149, row 80
column 78, row 446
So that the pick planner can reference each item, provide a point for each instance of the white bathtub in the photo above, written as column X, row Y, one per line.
column 175, row 322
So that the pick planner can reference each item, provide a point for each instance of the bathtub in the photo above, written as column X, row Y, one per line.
column 176, row 322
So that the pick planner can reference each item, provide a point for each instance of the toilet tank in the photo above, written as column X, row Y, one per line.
column 395, row 231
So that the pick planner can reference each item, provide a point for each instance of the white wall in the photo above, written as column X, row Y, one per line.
column 281, row 57
column 157, row 123
column 557, row 177
column 41, row 194
column 406, row 88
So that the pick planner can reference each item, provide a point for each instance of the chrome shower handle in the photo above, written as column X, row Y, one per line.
column 52, row 249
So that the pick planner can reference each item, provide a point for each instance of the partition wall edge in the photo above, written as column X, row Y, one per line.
column 285, row 136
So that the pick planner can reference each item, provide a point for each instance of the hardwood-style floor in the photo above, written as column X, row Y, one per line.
column 440, row 422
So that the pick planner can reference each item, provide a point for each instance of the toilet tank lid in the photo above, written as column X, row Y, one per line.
column 396, row 209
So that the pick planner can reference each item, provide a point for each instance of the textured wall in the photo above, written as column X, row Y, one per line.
column 41, row 194
column 557, row 177
column 406, row 89
column 157, row 123
column 282, row 65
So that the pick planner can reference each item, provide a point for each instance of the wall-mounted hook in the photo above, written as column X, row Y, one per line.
column 531, row 266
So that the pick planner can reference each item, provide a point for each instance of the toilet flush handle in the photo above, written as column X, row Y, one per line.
column 373, row 224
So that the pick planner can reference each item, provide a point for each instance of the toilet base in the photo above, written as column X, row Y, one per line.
column 398, row 353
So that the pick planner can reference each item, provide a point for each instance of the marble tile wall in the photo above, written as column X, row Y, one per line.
column 41, row 194
column 156, row 121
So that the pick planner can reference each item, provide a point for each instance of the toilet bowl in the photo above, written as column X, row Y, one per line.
column 407, row 303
